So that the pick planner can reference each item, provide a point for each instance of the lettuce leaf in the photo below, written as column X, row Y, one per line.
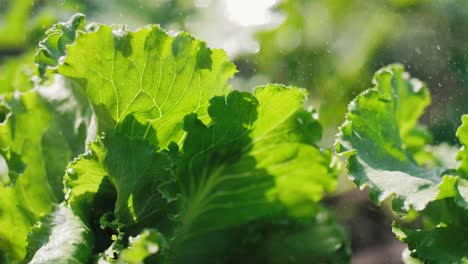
column 374, row 138
column 230, row 176
column 377, row 139
column 145, row 73
column 60, row 237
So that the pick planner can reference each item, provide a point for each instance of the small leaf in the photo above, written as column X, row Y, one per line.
column 148, row 243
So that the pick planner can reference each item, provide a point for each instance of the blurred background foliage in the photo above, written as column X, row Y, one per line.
column 333, row 48
column 330, row 47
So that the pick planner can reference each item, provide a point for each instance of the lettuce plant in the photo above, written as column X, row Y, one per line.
column 132, row 148
column 387, row 153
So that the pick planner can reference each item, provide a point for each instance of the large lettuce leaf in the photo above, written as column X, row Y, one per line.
column 229, row 173
column 145, row 73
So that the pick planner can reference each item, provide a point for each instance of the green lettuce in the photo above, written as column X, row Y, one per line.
column 165, row 163
column 379, row 140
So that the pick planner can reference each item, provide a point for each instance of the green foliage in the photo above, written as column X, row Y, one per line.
column 178, row 168
column 38, row 136
column 377, row 139
column 332, row 48
column 17, row 73
column 147, row 243
column 23, row 22
column 321, row 241
column 328, row 47
column 59, row 237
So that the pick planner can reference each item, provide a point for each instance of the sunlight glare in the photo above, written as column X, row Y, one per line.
column 250, row 12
